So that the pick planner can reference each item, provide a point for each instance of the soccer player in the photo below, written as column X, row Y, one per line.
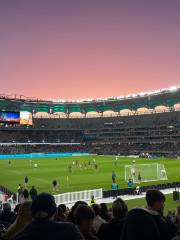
column 77, row 163
column 85, row 166
column 70, row 168
column 67, row 180
column 133, row 172
column 130, row 186
column 26, row 181
column 113, row 176
column 139, row 177
column 116, row 162
column 9, row 163
column 35, row 165
column 54, row 185
column 163, row 173
column 30, row 161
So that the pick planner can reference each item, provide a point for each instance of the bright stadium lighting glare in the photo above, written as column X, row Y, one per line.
column 142, row 94
column 173, row 88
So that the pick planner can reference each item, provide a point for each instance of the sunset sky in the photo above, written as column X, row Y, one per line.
column 73, row 49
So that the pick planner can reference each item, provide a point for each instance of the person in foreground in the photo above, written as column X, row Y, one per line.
column 22, row 220
column 43, row 226
column 84, row 216
column 149, row 223
column 112, row 229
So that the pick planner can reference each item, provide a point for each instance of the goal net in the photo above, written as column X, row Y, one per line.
column 145, row 172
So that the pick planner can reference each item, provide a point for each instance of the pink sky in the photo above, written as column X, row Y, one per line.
column 88, row 49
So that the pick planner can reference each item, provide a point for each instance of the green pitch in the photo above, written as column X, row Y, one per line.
column 81, row 178
column 170, row 205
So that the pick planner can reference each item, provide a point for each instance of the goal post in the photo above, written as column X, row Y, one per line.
column 145, row 172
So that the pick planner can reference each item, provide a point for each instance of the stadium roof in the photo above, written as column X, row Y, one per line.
column 164, row 97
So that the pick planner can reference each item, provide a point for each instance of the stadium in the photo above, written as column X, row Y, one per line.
column 62, row 139
column 89, row 120
column 105, row 148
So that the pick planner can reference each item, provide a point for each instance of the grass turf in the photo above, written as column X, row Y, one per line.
column 141, row 202
column 80, row 179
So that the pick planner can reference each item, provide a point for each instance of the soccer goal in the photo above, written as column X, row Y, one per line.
column 145, row 172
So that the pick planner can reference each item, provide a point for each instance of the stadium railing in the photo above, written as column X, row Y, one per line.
column 72, row 197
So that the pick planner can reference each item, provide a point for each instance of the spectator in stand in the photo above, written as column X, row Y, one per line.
column 43, row 226
column 33, row 193
column 16, row 209
column 70, row 217
column 148, row 223
column 84, row 216
column 176, row 238
column 61, row 213
column 64, row 208
column 155, row 204
column 112, row 229
column 104, row 212
column 6, row 215
column 97, row 220
column 22, row 220
column 177, row 222
column 59, row 217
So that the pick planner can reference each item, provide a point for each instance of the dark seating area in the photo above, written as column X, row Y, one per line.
column 40, row 218
column 152, row 133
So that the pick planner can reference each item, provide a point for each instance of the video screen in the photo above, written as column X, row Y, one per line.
column 25, row 118
column 9, row 117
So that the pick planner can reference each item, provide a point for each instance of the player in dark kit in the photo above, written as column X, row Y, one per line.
column 113, row 176
column 33, row 193
column 54, row 185
column 26, row 181
column 96, row 166
column 139, row 177
column 70, row 168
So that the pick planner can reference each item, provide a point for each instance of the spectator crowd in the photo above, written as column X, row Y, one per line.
column 40, row 218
